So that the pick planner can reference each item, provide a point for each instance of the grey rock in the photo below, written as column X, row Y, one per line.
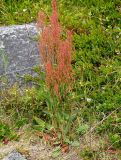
column 18, row 50
column 14, row 156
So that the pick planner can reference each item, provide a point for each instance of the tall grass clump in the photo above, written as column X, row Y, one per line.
column 55, row 47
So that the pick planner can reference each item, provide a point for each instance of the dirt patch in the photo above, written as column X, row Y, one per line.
column 33, row 149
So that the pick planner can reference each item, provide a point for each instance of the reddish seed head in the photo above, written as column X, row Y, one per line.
column 55, row 53
column 40, row 20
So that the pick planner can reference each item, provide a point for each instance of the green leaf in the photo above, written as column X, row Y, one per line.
column 48, row 126
column 39, row 124
column 75, row 144
column 82, row 129
column 56, row 152
column 66, row 140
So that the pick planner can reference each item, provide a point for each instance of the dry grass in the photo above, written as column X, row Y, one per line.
column 32, row 147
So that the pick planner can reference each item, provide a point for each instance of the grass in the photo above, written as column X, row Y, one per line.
column 95, row 101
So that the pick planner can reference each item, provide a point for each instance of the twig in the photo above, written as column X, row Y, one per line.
column 93, row 128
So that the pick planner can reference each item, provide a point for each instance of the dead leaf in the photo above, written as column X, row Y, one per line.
column 64, row 148
column 46, row 137
column 111, row 151
column 5, row 141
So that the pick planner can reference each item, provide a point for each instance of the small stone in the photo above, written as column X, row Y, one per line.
column 14, row 156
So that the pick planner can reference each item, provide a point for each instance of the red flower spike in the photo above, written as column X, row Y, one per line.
column 55, row 53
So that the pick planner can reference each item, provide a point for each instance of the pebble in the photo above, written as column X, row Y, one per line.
column 14, row 156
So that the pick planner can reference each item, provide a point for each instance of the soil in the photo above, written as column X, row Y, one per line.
column 33, row 148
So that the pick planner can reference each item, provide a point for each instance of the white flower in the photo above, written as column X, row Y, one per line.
column 24, row 10
column 88, row 99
